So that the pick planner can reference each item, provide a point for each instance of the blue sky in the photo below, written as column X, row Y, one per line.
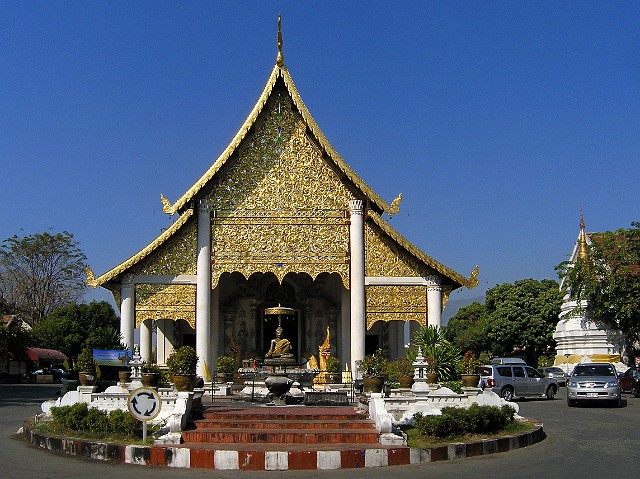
column 497, row 121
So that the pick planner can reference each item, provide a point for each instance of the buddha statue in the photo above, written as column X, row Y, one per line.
column 280, row 347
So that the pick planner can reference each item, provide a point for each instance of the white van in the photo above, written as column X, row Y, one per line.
column 518, row 361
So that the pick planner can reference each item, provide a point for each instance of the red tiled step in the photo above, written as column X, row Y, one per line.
column 357, row 424
column 280, row 436
column 284, row 413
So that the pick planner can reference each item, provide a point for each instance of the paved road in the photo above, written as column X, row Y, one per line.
column 585, row 442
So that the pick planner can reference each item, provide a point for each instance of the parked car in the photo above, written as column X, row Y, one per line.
column 625, row 380
column 594, row 382
column 555, row 372
column 511, row 381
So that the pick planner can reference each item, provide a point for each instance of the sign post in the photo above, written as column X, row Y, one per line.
column 144, row 405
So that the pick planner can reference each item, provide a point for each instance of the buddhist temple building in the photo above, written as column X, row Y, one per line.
column 579, row 336
column 279, row 219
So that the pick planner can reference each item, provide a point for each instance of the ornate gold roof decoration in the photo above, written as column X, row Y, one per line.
column 166, row 205
column 136, row 258
column 473, row 277
column 280, row 57
column 281, row 72
column 91, row 279
column 584, row 249
column 394, row 209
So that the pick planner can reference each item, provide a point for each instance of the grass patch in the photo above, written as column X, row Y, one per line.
column 416, row 440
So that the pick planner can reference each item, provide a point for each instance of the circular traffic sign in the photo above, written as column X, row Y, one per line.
column 144, row 404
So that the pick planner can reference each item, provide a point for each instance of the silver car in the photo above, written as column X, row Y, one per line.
column 594, row 382
column 513, row 380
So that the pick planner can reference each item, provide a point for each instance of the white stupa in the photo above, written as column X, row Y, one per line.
column 579, row 337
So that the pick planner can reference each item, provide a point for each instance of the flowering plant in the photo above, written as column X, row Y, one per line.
column 469, row 363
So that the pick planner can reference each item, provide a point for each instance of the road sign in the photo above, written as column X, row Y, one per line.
column 144, row 404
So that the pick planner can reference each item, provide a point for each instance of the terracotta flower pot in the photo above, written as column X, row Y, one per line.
column 372, row 384
column 86, row 378
column 151, row 379
column 470, row 380
column 406, row 381
column 184, row 382
column 124, row 376
column 432, row 378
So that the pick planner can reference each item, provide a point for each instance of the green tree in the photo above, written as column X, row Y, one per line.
column 468, row 329
column 75, row 326
column 523, row 315
column 13, row 340
column 40, row 273
column 609, row 280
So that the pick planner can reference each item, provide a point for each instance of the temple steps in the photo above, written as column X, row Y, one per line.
column 300, row 426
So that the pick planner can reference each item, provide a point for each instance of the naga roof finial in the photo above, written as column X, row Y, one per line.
column 280, row 57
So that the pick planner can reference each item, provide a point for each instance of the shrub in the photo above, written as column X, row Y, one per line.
column 333, row 364
column 455, row 422
column 225, row 365
column 373, row 364
column 183, row 361
column 79, row 417
column 455, row 386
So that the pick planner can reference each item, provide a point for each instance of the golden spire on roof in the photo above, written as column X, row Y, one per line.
column 584, row 251
column 280, row 57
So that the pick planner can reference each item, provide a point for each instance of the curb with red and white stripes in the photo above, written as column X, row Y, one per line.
column 186, row 457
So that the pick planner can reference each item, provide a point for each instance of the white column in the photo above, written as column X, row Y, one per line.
column 358, row 305
column 127, row 310
column 203, row 287
column 215, row 326
column 434, row 301
column 345, row 330
column 145, row 340
column 164, row 340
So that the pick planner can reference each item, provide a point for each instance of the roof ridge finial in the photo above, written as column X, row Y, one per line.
column 280, row 57
column 584, row 250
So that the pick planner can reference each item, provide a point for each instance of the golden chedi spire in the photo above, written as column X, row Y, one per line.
column 583, row 252
column 280, row 57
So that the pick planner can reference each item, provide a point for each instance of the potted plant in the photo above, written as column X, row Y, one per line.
column 333, row 370
column 225, row 367
column 86, row 367
column 432, row 365
column 400, row 371
column 150, row 374
column 373, row 367
column 182, row 365
column 469, row 363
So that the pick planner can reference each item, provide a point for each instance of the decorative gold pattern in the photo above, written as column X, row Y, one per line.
column 176, row 256
column 473, row 278
column 157, row 301
column 331, row 156
column 279, row 206
column 396, row 303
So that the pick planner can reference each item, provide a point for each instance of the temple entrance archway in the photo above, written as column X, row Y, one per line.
column 247, row 335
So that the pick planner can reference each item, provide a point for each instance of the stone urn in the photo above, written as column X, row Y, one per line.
column 278, row 385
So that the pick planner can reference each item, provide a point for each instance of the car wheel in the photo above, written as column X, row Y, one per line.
column 551, row 392
column 618, row 402
column 507, row 394
column 570, row 402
